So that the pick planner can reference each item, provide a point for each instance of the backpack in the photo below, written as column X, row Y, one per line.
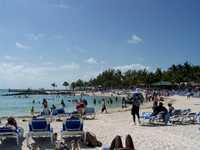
column 90, row 140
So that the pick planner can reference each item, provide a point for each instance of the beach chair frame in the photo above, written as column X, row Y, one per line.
column 89, row 113
column 10, row 133
column 45, row 132
column 67, row 132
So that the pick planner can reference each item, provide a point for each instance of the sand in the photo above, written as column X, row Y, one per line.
column 107, row 126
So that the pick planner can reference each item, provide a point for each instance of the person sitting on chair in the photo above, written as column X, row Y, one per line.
column 163, row 111
column 11, row 123
column 171, row 109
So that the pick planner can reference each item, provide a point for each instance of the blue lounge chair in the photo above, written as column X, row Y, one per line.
column 149, row 119
column 89, row 113
column 6, row 132
column 60, row 111
column 72, row 128
column 39, row 127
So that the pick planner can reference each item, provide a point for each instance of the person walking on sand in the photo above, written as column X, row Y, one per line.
column 104, row 108
column 135, row 110
column 123, row 102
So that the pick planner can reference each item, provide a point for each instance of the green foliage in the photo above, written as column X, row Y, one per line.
column 53, row 85
column 65, row 84
column 116, row 79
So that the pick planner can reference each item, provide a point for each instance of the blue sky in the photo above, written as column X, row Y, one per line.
column 45, row 41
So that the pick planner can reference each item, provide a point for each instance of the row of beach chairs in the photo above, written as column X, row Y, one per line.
column 41, row 127
column 89, row 113
column 179, row 116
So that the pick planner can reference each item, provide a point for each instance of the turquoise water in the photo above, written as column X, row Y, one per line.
column 21, row 106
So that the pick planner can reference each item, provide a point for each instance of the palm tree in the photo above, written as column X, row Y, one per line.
column 65, row 84
column 73, row 85
column 54, row 85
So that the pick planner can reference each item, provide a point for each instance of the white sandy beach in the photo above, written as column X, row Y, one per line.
column 107, row 126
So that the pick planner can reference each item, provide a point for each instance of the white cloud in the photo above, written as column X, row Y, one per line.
column 41, row 57
column 102, row 62
column 24, row 75
column 91, row 61
column 90, row 74
column 132, row 67
column 73, row 66
column 47, row 63
column 16, row 70
column 10, row 58
column 135, row 39
column 22, row 46
column 35, row 37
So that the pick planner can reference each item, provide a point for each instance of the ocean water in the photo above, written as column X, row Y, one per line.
column 21, row 105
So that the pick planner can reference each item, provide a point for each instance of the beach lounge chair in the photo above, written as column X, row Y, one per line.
column 72, row 128
column 89, row 113
column 6, row 132
column 184, row 116
column 59, row 112
column 39, row 127
column 147, row 118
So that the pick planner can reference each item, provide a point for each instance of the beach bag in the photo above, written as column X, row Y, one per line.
column 91, row 140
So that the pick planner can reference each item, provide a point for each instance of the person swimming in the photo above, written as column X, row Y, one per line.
column 33, row 101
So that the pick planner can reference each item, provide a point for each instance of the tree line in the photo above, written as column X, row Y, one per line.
column 111, row 78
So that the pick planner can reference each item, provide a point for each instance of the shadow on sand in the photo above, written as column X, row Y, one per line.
column 42, row 144
column 10, row 144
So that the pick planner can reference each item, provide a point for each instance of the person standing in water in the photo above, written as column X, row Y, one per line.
column 33, row 101
column 104, row 108
column 32, row 111
column 46, row 110
column 116, row 98
column 94, row 101
column 111, row 101
column 62, row 103
column 53, row 108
